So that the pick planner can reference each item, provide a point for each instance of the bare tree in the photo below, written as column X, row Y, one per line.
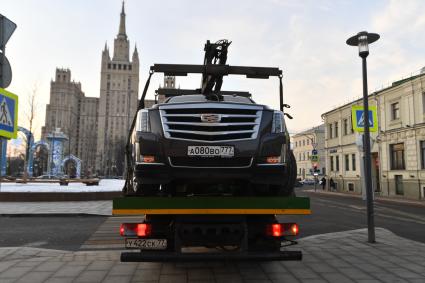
column 30, row 114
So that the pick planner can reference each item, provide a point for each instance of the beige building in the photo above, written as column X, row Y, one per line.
column 75, row 114
column 398, row 148
column 119, row 89
column 303, row 144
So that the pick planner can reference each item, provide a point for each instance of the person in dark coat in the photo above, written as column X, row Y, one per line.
column 323, row 182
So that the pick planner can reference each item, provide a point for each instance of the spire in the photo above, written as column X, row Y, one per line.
column 121, row 31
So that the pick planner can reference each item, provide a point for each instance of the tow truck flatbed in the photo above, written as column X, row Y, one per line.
column 211, row 205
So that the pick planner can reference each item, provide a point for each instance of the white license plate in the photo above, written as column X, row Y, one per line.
column 211, row 150
column 146, row 244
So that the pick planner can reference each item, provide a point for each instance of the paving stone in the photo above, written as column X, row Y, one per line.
column 321, row 267
column 173, row 278
column 406, row 274
column 200, row 274
column 285, row 278
column 149, row 265
column 171, row 269
column 60, row 280
column 35, row 277
column 313, row 281
column 273, row 267
column 91, row 276
column 122, row 269
column 101, row 265
column 304, row 273
column 337, row 277
column 49, row 266
column 69, row 270
column 146, row 275
column 368, row 281
column 228, row 278
column 117, row 279
column 6, row 264
column 14, row 272
column 354, row 273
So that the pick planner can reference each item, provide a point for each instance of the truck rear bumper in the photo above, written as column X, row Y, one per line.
column 151, row 256
column 164, row 174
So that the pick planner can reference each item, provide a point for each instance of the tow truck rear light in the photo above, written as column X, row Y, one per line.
column 135, row 229
column 282, row 229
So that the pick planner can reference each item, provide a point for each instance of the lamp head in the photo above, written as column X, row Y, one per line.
column 362, row 40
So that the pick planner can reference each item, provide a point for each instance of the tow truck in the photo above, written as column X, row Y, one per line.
column 214, row 211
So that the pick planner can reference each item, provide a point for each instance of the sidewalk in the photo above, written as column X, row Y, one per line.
column 335, row 257
column 59, row 207
column 381, row 198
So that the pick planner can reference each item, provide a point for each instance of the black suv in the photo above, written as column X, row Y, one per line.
column 208, row 141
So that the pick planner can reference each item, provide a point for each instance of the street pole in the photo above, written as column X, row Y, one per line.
column 367, row 154
column 362, row 41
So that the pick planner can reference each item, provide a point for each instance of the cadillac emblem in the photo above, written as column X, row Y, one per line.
column 210, row 118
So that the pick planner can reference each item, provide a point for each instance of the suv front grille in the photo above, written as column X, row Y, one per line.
column 230, row 121
column 211, row 162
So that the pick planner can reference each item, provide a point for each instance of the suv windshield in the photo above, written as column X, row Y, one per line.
column 201, row 98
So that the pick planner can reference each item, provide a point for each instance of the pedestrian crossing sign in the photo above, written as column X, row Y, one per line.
column 8, row 114
column 358, row 118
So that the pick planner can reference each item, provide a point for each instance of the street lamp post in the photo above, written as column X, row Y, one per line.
column 362, row 40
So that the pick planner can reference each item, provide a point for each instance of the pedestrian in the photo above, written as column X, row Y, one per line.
column 323, row 183
column 332, row 184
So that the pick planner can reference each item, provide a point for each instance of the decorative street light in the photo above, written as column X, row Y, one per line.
column 362, row 40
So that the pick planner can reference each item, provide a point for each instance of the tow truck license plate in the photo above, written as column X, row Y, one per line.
column 146, row 244
column 211, row 151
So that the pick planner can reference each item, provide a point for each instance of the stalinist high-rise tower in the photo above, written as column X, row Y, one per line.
column 119, row 88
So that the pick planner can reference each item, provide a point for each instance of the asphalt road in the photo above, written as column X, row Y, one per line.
column 330, row 213
column 334, row 213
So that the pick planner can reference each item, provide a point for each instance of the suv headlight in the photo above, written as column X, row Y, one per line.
column 143, row 124
column 278, row 125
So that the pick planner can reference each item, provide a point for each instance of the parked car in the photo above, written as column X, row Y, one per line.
column 308, row 182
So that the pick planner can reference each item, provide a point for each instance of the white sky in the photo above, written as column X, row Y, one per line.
column 304, row 38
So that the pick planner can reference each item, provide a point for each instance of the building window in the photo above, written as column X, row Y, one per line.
column 353, row 162
column 114, row 66
column 345, row 127
column 330, row 131
column 109, row 65
column 336, row 129
column 423, row 154
column 395, row 111
column 337, row 163
column 308, row 142
column 332, row 163
column 397, row 156
column 350, row 187
column 303, row 142
column 129, row 67
column 347, row 162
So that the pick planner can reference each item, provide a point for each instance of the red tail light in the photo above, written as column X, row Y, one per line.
column 135, row 229
column 282, row 229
